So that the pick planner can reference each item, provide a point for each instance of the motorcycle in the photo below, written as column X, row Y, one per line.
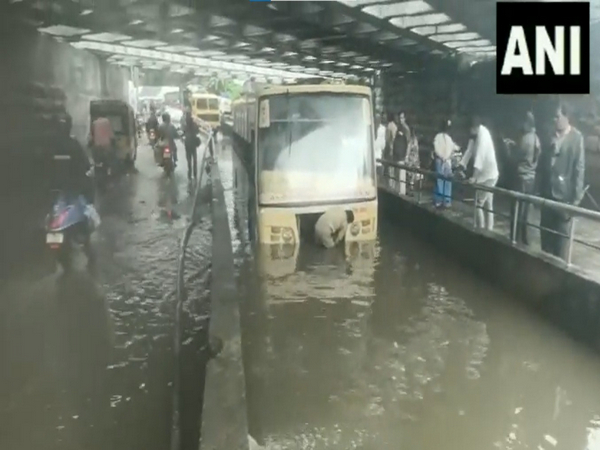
column 69, row 226
column 168, row 161
column 152, row 137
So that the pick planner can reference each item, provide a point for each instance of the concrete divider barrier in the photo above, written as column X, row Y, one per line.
column 224, row 414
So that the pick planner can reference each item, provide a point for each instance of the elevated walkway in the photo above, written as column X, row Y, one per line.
column 567, row 294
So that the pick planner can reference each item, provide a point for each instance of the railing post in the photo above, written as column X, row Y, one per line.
column 571, row 239
column 514, row 222
column 475, row 209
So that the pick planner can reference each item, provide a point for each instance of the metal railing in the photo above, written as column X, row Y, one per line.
column 518, row 200
column 181, row 295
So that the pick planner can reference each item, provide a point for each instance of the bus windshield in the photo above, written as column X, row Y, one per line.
column 207, row 103
column 315, row 147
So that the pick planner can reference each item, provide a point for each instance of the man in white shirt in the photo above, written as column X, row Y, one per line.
column 331, row 227
column 380, row 138
column 485, row 171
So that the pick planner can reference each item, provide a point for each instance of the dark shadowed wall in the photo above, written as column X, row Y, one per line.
column 39, row 78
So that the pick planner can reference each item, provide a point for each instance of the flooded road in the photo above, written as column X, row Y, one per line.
column 403, row 349
column 87, row 362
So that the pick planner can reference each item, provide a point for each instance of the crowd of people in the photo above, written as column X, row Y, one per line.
column 554, row 171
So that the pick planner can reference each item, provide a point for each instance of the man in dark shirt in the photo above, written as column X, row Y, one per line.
column 524, row 156
column 71, row 165
column 192, row 141
column 152, row 122
column 561, row 176
column 167, row 132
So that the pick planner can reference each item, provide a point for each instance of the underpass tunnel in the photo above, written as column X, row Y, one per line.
column 434, row 61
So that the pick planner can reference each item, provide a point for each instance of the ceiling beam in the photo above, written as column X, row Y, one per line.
column 387, row 26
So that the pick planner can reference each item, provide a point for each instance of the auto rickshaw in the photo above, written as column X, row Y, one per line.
column 123, row 123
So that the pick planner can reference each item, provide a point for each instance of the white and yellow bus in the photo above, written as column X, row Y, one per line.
column 311, row 147
column 206, row 107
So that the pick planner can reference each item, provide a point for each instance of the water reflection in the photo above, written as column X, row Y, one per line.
column 88, row 362
column 405, row 350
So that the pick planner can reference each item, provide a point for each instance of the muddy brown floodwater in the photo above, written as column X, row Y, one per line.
column 396, row 348
column 87, row 362
column 403, row 350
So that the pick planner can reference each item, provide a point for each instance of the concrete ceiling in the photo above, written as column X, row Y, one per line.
column 294, row 38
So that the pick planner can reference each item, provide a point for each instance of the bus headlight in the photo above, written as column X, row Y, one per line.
column 287, row 235
column 355, row 229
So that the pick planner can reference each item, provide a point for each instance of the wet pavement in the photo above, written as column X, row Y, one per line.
column 403, row 350
column 87, row 361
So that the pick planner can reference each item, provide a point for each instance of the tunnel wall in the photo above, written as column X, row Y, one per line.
column 40, row 77
column 567, row 297
column 454, row 91
column 425, row 97
column 46, row 76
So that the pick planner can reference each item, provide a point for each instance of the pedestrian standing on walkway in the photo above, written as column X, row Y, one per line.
column 390, row 134
column 192, row 142
column 400, row 146
column 485, row 171
column 443, row 149
column 561, row 176
column 380, row 137
column 391, row 130
column 402, row 139
column 413, row 157
column 524, row 155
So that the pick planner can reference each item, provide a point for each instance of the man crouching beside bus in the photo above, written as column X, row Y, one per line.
column 331, row 227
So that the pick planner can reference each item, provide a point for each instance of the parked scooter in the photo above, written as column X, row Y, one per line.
column 69, row 226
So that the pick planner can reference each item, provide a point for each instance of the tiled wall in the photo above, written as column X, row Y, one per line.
column 39, row 78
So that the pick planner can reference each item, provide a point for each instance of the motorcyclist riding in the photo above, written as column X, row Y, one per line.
column 168, row 133
column 72, row 166
column 72, row 173
column 152, row 122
